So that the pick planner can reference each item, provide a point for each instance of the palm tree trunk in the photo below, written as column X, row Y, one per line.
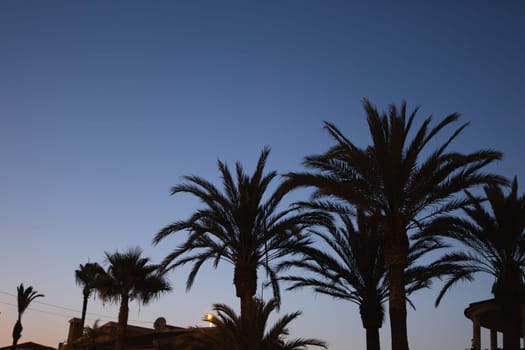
column 245, row 280
column 246, row 305
column 84, row 308
column 511, row 333
column 397, row 307
column 17, row 333
column 122, row 323
column 395, row 245
column 247, row 319
column 371, row 311
column 372, row 338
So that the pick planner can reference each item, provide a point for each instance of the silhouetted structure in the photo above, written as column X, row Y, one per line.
column 161, row 337
column 492, row 240
column 489, row 314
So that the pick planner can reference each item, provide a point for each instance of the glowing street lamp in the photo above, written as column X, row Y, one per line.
column 209, row 317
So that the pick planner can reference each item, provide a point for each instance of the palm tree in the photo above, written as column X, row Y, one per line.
column 231, row 332
column 492, row 240
column 129, row 277
column 352, row 269
column 239, row 226
column 85, row 276
column 399, row 181
column 92, row 336
column 24, row 297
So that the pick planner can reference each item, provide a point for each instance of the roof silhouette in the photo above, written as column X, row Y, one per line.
column 29, row 346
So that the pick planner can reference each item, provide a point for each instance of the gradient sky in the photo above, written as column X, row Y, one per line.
column 104, row 105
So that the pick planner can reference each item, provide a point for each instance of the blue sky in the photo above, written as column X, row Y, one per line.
column 104, row 105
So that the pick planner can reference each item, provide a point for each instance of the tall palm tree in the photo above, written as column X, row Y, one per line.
column 400, row 181
column 492, row 240
column 24, row 297
column 238, row 225
column 231, row 332
column 351, row 268
column 128, row 277
column 86, row 276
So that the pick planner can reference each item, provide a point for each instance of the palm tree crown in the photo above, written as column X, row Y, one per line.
column 129, row 277
column 86, row 277
column 237, row 225
column 492, row 240
column 398, row 180
column 351, row 268
column 231, row 332
column 24, row 297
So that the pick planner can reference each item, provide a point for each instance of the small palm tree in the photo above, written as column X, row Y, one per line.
column 400, row 181
column 231, row 332
column 351, row 268
column 129, row 277
column 91, row 336
column 239, row 226
column 24, row 297
column 86, row 276
column 492, row 240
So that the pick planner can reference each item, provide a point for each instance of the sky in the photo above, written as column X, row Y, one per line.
column 104, row 105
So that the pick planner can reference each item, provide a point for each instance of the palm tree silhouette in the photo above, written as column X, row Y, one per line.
column 400, row 182
column 492, row 240
column 24, row 297
column 92, row 336
column 351, row 268
column 128, row 277
column 86, row 276
column 239, row 226
column 232, row 332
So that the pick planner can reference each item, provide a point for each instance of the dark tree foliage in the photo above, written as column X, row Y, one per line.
column 86, row 276
column 231, row 332
column 400, row 179
column 491, row 240
column 24, row 297
column 240, row 223
column 128, row 277
column 351, row 267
